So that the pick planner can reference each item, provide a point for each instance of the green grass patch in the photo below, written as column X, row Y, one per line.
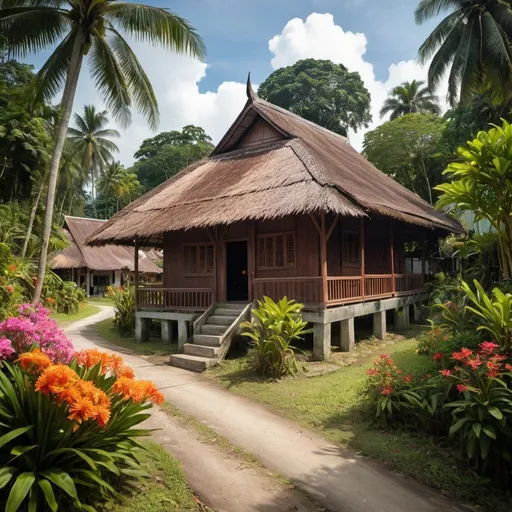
column 166, row 490
column 105, row 301
column 154, row 347
column 334, row 405
column 84, row 310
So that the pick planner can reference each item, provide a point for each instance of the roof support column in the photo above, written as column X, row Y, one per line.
column 392, row 256
column 323, row 259
column 136, row 271
column 361, row 231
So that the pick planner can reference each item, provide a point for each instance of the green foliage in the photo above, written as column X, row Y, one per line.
column 124, row 305
column 495, row 313
column 164, row 155
column 473, row 41
column 276, row 326
column 322, row 92
column 482, row 183
column 411, row 150
column 410, row 98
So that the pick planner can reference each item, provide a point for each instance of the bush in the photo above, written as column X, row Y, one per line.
column 66, row 430
column 442, row 340
column 275, row 327
column 124, row 305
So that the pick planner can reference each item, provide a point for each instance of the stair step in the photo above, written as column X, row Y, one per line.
column 192, row 363
column 226, row 312
column 201, row 350
column 215, row 330
column 220, row 320
column 230, row 305
column 204, row 339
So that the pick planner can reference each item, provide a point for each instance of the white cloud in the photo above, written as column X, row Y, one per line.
column 176, row 80
column 320, row 38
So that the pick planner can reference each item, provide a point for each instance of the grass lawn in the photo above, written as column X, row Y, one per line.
column 106, row 301
column 333, row 404
column 149, row 348
column 84, row 310
column 165, row 491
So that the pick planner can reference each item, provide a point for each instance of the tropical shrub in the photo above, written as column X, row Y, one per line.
column 442, row 340
column 124, row 306
column 34, row 328
column 430, row 341
column 274, row 327
column 482, row 415
column 67, row 430
column 496, row 314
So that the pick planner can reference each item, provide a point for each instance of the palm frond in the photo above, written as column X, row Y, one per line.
column 156, row 26
column 110, row 80
column 106, row 144
column 138, row 82
column 81, row 125
column 428, row 9
column 107, row 133
column 470, row 63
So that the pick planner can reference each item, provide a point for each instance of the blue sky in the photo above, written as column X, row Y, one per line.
column 378, row 39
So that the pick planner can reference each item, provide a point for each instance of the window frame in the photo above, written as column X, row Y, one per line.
column 274, row 236
column 197, row 246
column 344, row 262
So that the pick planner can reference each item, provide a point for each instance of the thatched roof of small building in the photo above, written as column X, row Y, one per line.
column 109, row 257
column 311, row 169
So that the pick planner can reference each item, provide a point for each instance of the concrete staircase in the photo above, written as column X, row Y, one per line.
column 212, row 337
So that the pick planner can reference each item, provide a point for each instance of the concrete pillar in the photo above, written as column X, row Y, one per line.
column 402, row 318
column 418, row 313
column 117, row 279
column 379, row 325
column 142, row 328
column 348, row 337
column 182, row 334
column 166, row 331
column 321, row 342
column 88, row 283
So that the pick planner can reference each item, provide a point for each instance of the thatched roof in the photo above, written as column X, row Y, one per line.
column 310, row 170
column 108, row 257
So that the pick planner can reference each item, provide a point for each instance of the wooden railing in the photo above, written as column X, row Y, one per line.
column 343, row 288
column 302, row 289
column 406, row 283
column 195, row 299
column 378, row 285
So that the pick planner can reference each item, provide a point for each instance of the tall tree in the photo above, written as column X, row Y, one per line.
column 91, row 28
column 472, row 41
column 410, row 98
column 167, row 153
column 322, row 92
column 91, row 140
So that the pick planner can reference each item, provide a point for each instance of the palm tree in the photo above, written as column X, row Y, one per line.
column 410, row 98
column 473, row 42
column 91, row 140
column 117, row 182
column 92, row 29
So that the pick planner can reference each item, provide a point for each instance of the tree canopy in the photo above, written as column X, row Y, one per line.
column 167, row 153
column 322, row 92
column 411, row 149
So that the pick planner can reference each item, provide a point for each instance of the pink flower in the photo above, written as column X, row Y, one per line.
column 461, row 388
column 438, row 356
column 488, row 347
column 445, row 373
column 6, row 349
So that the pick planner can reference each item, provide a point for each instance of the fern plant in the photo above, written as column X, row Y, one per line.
column 274, row 327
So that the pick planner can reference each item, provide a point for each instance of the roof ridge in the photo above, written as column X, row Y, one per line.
column 84, row 218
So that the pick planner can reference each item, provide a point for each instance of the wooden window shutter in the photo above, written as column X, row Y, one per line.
column 276, row 251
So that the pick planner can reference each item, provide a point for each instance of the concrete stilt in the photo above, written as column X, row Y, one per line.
column 379, row 324
column 348, row 338
column 418, row 313
column 401, row 318
column 166, row 331
column 182, row 334
column 322, row 341
column 142, row 326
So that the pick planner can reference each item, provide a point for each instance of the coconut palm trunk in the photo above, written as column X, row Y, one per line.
column 68, row 98
column 33, row 212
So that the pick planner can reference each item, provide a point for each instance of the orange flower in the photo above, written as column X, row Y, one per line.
column 137, row 390
column 81, row 410
column 12, row 267
column 96, row 395
column 126, row 371
column 35, row 361
column 102, row 415
column 152, row 392
column 88, row 358
column 55, row 379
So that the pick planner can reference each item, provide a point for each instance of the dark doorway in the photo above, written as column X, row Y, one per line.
column 237, row 279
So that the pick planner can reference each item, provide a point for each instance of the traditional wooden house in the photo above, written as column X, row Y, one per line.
column 95, row 268
column 281, row 207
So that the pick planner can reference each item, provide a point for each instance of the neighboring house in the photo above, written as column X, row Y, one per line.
column 281, row 207
column 95, row 268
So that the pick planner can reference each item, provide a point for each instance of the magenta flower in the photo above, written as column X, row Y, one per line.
column 6, row 349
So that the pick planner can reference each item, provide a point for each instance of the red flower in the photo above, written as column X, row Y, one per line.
column 408, row 379
column 508, row 367
column 9, row 288
column 387, row 390
column 466, row 352
column 457, row 356
column 492, row 374
column 461, row 388
column 438, row 356
column 372, row 372
column 474, row 363
column 488, row 347
column 445, row 373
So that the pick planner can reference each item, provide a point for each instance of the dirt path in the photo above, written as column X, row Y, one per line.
column 221, row 480
column 335, row 477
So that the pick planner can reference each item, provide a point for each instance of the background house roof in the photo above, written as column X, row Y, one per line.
column 107, row 257
column 310, row 170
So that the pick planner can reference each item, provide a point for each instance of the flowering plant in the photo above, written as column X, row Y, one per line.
column 482, row 416
column 67, row 430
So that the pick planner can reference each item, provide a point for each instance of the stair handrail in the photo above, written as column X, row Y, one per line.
column 229, row 332
column 198, row 322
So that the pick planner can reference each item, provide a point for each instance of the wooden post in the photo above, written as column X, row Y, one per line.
column 213, row 239
column 423, row 258
column 136, row 271
column 392, row 254
column 323, row 258
column 362, row 257
column 252, row 258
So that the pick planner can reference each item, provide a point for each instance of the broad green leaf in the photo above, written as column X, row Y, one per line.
column 61, row 479
column 6, row 474
column 14, row 434
column 477, row 427
column 47, row 489
column 494, row 411
column 19, row 491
